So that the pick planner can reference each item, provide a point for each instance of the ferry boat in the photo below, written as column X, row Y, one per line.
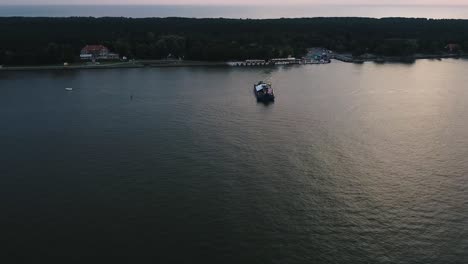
column 263, row 92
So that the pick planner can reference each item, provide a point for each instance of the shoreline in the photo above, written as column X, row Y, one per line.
column 119, row 65
column 347, row 58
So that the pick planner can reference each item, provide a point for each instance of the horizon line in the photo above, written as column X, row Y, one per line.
column 236, row 5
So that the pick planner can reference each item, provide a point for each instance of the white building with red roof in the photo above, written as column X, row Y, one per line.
column 94, row 52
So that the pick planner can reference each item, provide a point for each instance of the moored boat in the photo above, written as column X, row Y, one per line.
column 264, row 92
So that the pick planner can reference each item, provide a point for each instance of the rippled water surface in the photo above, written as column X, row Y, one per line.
column 352, row 164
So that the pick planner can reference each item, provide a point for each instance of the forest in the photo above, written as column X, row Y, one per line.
column 43, row 40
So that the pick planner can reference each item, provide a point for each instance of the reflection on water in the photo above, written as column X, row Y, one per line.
column 353, row 163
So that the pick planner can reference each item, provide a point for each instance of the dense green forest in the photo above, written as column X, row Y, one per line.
column 29, row 41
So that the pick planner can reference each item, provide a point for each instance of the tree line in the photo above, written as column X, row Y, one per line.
column 42, row 40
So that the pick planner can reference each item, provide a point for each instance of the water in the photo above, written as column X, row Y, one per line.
column 351, row 164
column 213, row 11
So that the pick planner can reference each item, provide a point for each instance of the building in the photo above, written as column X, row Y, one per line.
column 285, row 61
column 255, row 62
column 248, row 63
column 453, row 47
column 95, row 52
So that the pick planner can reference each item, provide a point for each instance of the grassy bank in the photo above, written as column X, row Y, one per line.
column 115, row 65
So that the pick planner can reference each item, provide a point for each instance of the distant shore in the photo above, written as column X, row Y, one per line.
column 116, row 65
column 382, row 59
column 176, row 63
column 81, row 40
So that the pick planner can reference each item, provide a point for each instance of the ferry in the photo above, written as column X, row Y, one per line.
column 263, row 92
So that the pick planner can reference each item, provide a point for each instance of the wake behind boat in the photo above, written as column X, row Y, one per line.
column 264, row 92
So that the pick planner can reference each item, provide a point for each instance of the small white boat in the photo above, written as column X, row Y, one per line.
column 69, row 89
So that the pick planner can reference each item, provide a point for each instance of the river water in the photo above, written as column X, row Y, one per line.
column 352, row 164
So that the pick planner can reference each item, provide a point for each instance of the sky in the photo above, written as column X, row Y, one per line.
column 239, row 2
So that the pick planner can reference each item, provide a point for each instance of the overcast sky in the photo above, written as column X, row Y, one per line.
column 242, row 2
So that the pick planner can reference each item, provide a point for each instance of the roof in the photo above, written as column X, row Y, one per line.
column 260, row 87
column 283, row 59
column 91, row 48
column 453, row 45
